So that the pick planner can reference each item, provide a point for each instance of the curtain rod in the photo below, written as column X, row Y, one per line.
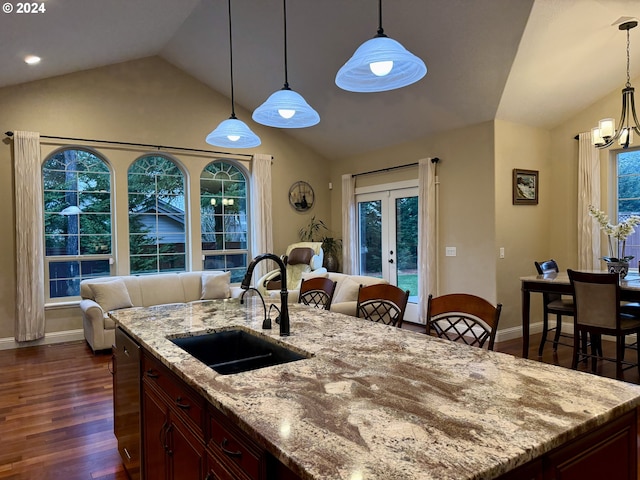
column 129, row 144
column 433, row 160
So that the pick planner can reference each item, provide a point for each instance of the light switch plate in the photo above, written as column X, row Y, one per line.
column 450, row 251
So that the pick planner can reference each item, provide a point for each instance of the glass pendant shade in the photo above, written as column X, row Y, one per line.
column 233, row 133
column 378, row 65
column 286, row 109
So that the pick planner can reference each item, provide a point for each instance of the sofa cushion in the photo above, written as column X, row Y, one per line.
column 191, row 284
column 346, row 290
column 111, row 295
column 216, row 285
column 158, row 289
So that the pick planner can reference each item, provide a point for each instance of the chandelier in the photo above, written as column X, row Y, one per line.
column 605, row 134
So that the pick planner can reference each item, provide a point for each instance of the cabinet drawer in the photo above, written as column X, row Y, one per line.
column 179, row 396
column 233, row 447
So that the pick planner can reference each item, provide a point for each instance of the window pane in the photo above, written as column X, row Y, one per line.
column 95, row 244
column 61, row 245
column 628, row 188
column 157, row 220
column 94, row 268
column 75, row 180
column 370, row 224
column 223, row 215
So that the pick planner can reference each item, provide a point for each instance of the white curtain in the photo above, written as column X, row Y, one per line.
column 349, row 226
column 427, row 228
column 261, row 210
column 588, row 194
column 29, row 234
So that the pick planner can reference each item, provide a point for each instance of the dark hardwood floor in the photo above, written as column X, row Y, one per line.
column 56, row 414
column 56, row 409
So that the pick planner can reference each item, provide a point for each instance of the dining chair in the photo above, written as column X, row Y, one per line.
column 553, row 304
column 383, row 303
column 598, row 312
column 462, row 317
column 317, row 292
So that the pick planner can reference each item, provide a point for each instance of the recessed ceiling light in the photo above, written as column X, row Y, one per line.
column 32, row 59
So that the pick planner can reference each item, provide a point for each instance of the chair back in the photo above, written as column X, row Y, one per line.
column 317, row 291
column 548, row 266
column 383, row 303
column 596, row 298
column 463, row 317
column 543, row 268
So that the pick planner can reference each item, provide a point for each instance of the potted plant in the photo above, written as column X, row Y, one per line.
column 617, row 261
column 331, row 246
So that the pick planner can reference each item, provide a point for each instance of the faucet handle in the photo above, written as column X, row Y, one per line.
column 273, row 306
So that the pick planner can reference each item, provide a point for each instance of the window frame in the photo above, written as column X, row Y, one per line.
column 48, row 260
column 227, row 253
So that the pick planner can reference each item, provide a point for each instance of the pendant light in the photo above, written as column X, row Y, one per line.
column 286, row 108
column 380, row 64
column 232, row 133
column 605, row 134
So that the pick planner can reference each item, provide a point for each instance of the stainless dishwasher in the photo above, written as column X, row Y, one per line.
column 126, row 401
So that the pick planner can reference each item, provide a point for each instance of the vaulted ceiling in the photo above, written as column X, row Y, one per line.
column 535, row 62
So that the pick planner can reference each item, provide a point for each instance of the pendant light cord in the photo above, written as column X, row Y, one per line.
column 380, row 29
column 628, row 77
column 286, row 75
column 233, row 110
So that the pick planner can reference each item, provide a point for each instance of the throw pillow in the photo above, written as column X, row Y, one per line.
column 216, row 285
column 111, row 295
column 346, row 291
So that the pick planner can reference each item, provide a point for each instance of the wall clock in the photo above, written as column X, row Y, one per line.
column 301, row 196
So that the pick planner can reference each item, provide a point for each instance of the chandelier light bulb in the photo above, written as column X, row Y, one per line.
column 233, row 138
column 380, row 69
column 286, row 112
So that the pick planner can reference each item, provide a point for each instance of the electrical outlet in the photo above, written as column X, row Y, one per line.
column 450, row 251
column 501, row 252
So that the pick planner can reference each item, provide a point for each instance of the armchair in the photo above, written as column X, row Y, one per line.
column 301, row 257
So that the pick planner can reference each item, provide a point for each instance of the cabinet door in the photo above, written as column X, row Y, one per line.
column 186, row 451
column 216, row 470
column 155, row 431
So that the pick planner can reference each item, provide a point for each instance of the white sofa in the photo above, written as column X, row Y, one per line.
column 100, row 295
column 345, row 298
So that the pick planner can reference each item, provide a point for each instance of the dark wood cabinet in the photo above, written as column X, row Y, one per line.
column 608, row 452
column 171, row 449
column 126, row 401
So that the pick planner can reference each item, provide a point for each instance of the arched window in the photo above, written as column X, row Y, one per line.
column 223, row 209
column 77, row 219
column 157, row 220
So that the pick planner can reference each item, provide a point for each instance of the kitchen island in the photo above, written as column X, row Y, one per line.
column 377, row 402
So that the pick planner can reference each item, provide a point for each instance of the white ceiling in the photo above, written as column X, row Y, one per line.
column 532, row 62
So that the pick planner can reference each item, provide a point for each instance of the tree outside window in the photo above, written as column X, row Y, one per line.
column 77, row 219
column 157, row 228
column 223, row 213
column 628, row 188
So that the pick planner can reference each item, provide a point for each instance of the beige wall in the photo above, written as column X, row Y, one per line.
column 466, row 200
column 144, row 101
column 522, row 230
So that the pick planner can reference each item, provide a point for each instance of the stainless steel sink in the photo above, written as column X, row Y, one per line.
column 235, row 351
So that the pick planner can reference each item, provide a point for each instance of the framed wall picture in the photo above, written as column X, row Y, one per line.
column 525, row 187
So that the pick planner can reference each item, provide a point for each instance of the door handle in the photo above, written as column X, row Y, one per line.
column 391, row 260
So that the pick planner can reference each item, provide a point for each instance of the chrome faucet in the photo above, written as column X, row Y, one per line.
column 284, row 294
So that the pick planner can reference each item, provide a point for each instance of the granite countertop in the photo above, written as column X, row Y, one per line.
column 379, row 402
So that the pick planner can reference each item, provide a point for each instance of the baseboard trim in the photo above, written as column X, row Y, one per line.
column 49, row 338
column 516, row 332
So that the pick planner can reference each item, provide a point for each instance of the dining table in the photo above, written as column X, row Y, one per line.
column 559, row 283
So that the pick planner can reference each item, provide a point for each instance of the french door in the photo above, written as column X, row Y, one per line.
column 388, row 237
